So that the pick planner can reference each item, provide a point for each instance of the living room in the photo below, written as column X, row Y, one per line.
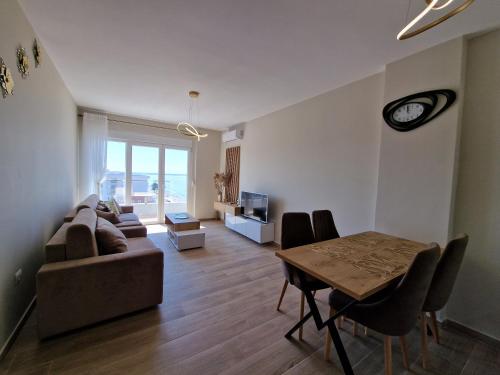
column 120, row 253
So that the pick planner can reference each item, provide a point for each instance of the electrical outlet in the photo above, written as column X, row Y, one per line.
column 18, row 276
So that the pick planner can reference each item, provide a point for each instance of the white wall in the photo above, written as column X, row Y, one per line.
column 207, row 156
column 38, row 140
column 417, row 168
column 476, row 300
column 319, row 154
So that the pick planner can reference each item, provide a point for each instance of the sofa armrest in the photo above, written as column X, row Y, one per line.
column 127, row 209
column 76, row 293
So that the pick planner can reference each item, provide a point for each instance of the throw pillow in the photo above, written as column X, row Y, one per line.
column 113, row 207
column 118, row 206
column 109, row 216
column 102, row 206
column 110, row 240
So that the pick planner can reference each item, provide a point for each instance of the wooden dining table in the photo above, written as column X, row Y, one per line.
column 358, row 265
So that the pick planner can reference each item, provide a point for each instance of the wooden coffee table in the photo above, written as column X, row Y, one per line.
column 181, row 221
column 184, row 231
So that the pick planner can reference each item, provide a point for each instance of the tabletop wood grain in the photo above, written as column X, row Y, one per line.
column 358, row 265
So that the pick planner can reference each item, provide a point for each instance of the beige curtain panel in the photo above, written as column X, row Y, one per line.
column 233, row 171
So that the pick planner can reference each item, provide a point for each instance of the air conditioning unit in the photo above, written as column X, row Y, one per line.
column 232, row 135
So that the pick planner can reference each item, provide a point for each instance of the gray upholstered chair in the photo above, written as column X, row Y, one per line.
column 296, row 230
column 324, row 226
column 441, row 287
column 394, row 312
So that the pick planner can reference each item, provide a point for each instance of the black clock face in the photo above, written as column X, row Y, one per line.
column 415, row 110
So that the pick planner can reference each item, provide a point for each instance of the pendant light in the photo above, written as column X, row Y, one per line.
column 186, row 127
column 432, row 5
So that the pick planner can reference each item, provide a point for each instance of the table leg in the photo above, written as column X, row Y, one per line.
column 320, row 324
column 332, row 328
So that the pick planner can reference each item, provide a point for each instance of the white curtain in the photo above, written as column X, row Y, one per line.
column 93, row 144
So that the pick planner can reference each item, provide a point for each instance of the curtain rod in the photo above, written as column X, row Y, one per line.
column 135, row 123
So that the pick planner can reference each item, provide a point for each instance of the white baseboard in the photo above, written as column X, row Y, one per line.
column 10, row 340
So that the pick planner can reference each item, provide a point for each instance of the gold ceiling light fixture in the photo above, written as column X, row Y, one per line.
column 186, row 127
column 432, row 5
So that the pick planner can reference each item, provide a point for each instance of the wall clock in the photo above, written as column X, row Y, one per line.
column 415, row 110
column 6, row 81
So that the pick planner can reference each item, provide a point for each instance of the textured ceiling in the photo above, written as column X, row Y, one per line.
column 247, row 57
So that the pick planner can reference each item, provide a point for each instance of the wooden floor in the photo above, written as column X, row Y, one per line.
column 219, row 317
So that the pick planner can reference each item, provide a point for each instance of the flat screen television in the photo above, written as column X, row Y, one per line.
column 254, row 206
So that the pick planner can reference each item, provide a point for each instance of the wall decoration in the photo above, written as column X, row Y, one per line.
column 23, row 62
column 220, row 181
column 233, row 173
column 415, row 110
column 37, row 53
column 6, row 80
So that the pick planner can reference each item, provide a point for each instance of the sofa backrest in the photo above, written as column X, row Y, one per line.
column 74, row 240
column 89, row 202
column 80, row 236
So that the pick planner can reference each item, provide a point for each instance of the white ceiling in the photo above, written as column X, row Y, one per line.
column 247, row 57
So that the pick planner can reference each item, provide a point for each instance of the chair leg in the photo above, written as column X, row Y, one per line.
column 423, row 339
column 302, row 298
column 354, row 328
column 434, row 327
column 388, row 355
column 404, row 352
column 283, row 290
column 366, row 331
column 328, row 338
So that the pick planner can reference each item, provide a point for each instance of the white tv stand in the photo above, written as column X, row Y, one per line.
column 253, row 229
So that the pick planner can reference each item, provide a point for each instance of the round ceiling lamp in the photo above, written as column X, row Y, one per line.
column 186, row 127
column 406, row 33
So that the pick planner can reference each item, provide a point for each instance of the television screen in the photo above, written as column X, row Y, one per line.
column 254, row 206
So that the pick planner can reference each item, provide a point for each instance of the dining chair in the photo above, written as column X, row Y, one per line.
column 296, row 230
column 441, row 287
column 324, row 226
column 394, row 312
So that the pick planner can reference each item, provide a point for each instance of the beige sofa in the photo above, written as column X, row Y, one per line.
column 78, row 287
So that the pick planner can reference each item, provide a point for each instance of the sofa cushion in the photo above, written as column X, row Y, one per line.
column 80, row 235
column 110, row 239
column 134, row 231
column 109, row 216
column 128, row 224
column 140, row 243
column 128, row 217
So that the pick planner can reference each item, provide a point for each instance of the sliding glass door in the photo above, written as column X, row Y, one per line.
column 145, row 182
column 176, row 180
column 152, row 178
